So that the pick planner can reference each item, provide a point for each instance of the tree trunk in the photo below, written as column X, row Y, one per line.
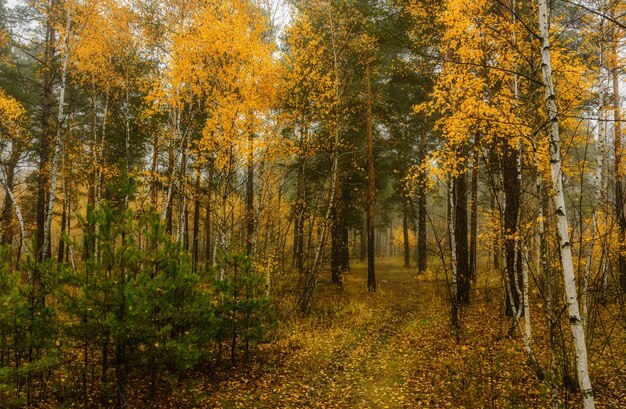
column 250, row 196
column 18, row 214
column 363, row 241
column 599, row 184
column 7, row 212
column 183, row 230
column 619, row 188
column 451, row 221
column 46, row 136
column 511, row 187
column 155, row 170
column 460, row 238
column 422, row 250
column 405, row 232
column 208, row 243
column 337, row 244
column 168, row 211
column 61, row 248
column 474, row 213
column 495, row 205
column 195, row 242
column 565, row 246
column 371, row 185
column 56, row 152
column 311, row 280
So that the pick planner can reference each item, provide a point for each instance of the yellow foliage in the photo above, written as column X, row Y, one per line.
column 13, row 120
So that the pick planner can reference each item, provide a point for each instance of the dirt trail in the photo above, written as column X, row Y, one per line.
column 366, row 355
column 391, row 349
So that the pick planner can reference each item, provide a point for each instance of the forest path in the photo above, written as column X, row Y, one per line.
column 391, row 349
column 358, row 349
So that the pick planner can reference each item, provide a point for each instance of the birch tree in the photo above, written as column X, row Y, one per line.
column 567, row 264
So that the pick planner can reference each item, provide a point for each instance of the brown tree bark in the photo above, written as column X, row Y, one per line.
column 195, row 242
column 460, row 238
column 250, row 196
column 405, row 232
column 363, row 236
column 511, row 186
column 336, row 233
column 619, row 183
column 371, row 185
column 422, row 249
column 474, row 213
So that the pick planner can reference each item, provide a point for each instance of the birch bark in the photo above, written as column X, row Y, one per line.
column 54, row 171
column 569, row 279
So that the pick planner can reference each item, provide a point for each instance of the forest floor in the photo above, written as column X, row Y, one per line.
column 391, row 349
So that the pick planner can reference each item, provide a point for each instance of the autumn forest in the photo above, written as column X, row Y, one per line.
column 312, row 204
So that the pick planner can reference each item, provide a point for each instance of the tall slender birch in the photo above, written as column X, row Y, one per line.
column 57, row 144
column 569, row 278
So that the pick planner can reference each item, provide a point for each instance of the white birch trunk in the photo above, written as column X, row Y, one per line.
column 18, row 213
column 600, row 154
column 452, row 239
column 528, row 338
column 57, row 144
column 569, row 278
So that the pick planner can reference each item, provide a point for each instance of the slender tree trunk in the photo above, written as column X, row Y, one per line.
column 299, row 220
column 208, row 239
column 405, row 232
column 363, row 238
column 565, row 246
column 422, row 250
column 154, row 192
column 474, row 213
column 599, row 182
column 311, row 280
column 183, row 230
column 61, row 248
column 7, row 211
column 371, row 185
column 89, row 240
column 168, row 211
column 18, row 214
column 195, row 245
column 512, row 188
column 299, row 209
column 56, row 152
column 495, row 208
column 336, row 233
column 46, row 136
column 250, row 196
column 451, row 221
column 619, row 187
column 460, row 238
